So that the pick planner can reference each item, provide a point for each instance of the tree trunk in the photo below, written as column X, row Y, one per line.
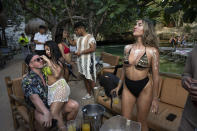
column 99, row 23
column 180, row 18
column 91, row 22
column 53, row 31
column 69, row 13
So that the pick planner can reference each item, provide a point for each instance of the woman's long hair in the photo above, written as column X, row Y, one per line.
column 149, row 37
column 54, row 50
column 59, row 36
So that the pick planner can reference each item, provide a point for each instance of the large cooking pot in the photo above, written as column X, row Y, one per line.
column 93, row 113
column 120, row 123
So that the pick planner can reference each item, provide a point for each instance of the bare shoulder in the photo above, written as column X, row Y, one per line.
column 152, row 51
column 128, row 47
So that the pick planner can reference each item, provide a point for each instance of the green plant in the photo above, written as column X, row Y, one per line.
column 187, row 29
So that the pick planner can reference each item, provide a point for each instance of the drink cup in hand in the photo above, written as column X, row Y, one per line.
column 115, row 98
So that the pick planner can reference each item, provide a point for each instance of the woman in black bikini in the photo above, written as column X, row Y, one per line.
column 141, row 88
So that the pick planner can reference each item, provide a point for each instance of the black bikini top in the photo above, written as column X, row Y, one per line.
column 143, row 62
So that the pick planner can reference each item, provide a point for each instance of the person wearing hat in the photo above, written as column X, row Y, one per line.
column 36, row 94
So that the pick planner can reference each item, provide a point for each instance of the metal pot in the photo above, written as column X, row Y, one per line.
column 94, row 114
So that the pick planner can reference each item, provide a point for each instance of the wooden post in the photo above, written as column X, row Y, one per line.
column 24, row 69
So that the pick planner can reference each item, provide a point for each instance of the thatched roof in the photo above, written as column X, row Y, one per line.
column 33, row 25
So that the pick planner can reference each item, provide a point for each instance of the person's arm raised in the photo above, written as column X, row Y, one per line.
column 56, row 69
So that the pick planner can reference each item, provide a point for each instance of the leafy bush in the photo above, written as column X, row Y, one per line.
column 187, row 29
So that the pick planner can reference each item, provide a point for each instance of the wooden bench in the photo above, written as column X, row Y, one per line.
column 110, row 59
column 20, row 110
column 22, row 114
column 172, row 100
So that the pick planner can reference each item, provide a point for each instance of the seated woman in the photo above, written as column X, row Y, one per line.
column 58, row 89
column 141, row 58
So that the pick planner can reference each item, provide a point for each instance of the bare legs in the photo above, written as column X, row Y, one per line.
column 89, row 84
column 128, row 102
column 56, row 111
column 71, row 109
column 143, row 104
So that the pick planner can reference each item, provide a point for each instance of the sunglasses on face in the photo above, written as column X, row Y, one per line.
column 38, row 59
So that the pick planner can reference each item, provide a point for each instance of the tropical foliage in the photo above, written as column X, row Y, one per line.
column 102, row 16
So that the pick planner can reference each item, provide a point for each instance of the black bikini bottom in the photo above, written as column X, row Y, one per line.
column 135, row 87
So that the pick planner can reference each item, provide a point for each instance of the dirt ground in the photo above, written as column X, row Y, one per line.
column 14, row 69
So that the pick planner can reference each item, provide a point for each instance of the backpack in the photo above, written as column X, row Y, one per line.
column 109, row 82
